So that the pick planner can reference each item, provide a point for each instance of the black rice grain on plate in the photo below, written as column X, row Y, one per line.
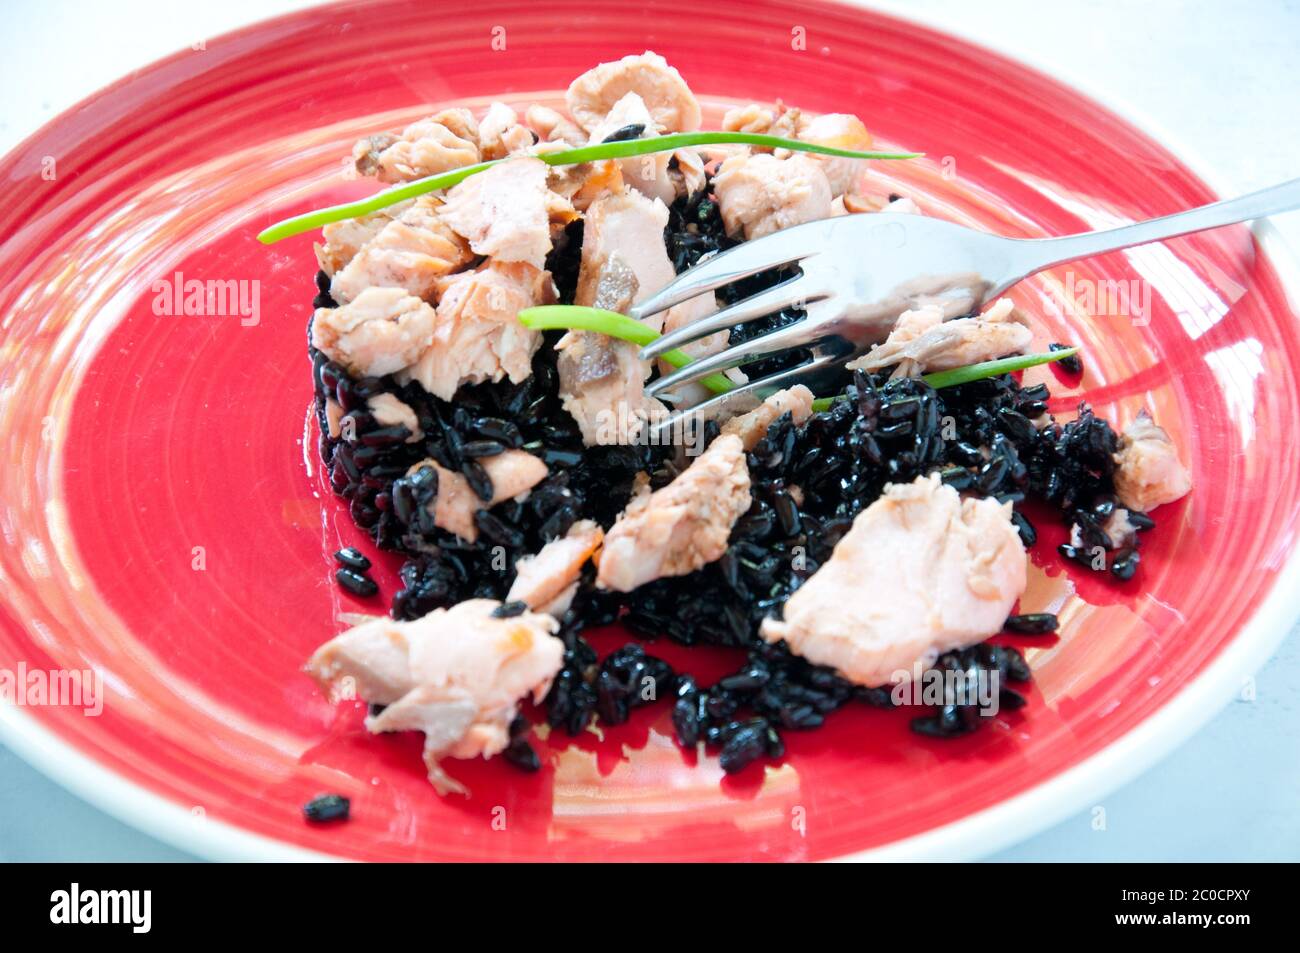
column 627, row 679
column 960, row 712
column 351, row 558
column 520, row 752
column 1071, row 365
column 1033, row 623
column 356, row 583
column 327, row 807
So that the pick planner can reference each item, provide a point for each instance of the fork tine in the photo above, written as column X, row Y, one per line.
column 771, row 251
column 793, row 335
column 789, row 292
column 757, row 388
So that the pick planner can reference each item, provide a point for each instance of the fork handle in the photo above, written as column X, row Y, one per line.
column 1044, row 253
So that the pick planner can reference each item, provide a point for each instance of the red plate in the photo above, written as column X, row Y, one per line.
column 164, row 525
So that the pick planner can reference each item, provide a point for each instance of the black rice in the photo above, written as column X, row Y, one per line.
column 959, row 713
column 352, row 559
column 519, row 752
column 630, row 131
column 627, row 679
column 1072, row 365
column 327, row 807
column 1125, row 564
column 356, row 583
column 1034, row 623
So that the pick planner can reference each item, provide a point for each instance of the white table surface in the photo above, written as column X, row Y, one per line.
column 1220, row 76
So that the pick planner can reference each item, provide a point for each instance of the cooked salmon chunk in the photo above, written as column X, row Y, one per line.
column 673, row 106
column 839, row 131
column 752, row 427
column 761, row 194
column 1148, row 472
column 602, row 380
column 411, row 252
column 922, row 341
column 381, row 331
column 344, row 239
column 1118, row 528
column 506, row 211
column 512, row 473
column 440, row 143
column 553, row 126
column 602, row 386
column 649, row 174
column 852, row 203
column 457, row 675
column 477, row 335
column 921, row 571
column 333, row 417
column 685, row 525
column 389, row 411
column 689, row 176
column 548, row 581
column 584, row 183
column 750, row 118
column 631, row 226
column 500, row 133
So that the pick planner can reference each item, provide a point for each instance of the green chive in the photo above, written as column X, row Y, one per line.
column 972, row 372
column 976, row 372
column 626, row 148
column 340, row 213
column 604, row 150
column 615, row 325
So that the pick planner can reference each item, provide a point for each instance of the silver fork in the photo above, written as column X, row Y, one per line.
column 857, row 273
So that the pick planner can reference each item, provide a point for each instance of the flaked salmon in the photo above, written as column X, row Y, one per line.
column 344, row 239
column 512, row 473
column 553, row 126
column 507, row 210
column 1148, row 472
column 681, row 527
column 442, row 142
column 671, row 103
column 457, row 675
column 761, row 194
column 381, row 331
column 602, row 380
column 751, row 427
column 921, row 571
column 500, row 133
column 839, row 131
column 476, row 334
column 922, row 341
column 389, row 411
column 548, row 581
column 649, row 174
column 410, row 252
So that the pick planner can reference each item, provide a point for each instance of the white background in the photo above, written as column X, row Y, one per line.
column 1220, row 76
